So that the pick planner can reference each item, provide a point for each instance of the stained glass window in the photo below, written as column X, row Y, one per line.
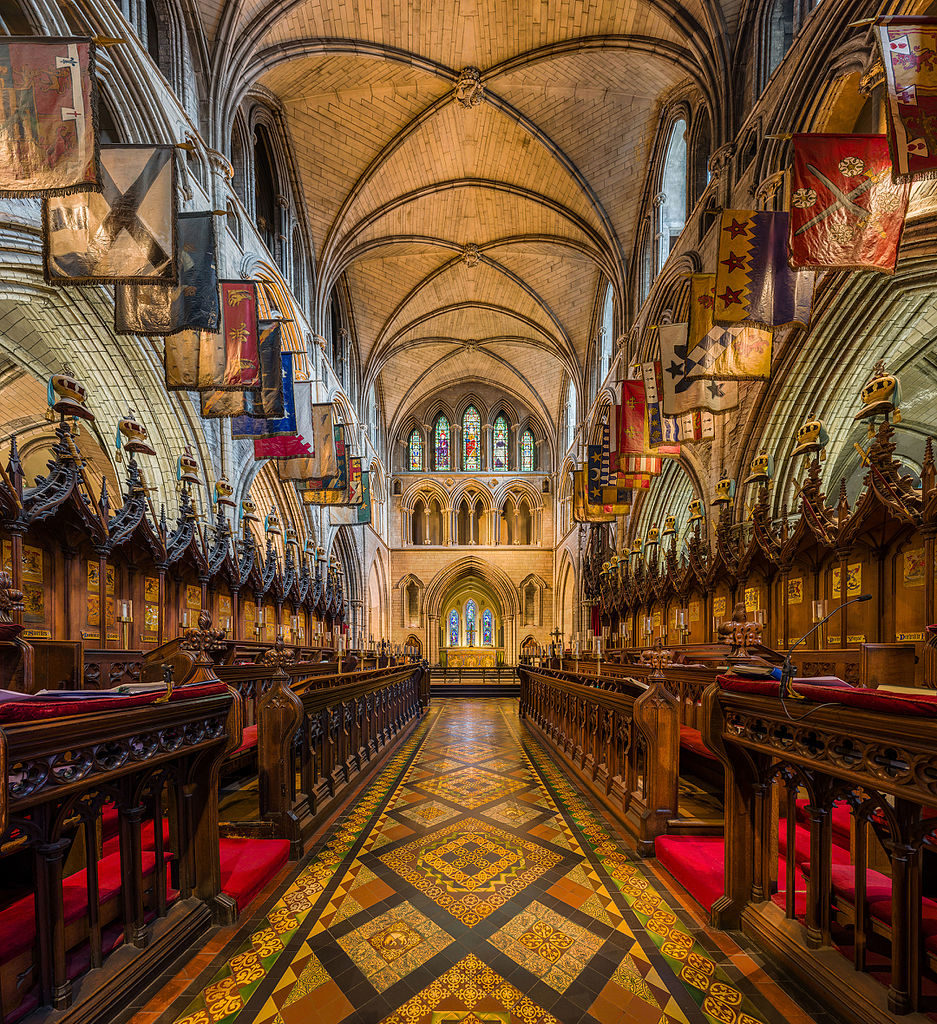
column 453, row 628
column 527, row 452
column 499, row 445
column 471, row 614
column 471, row 440
column 441, row 442
column 416, row 452
column 486, row 627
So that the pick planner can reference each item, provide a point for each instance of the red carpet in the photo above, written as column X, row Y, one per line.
column 248, row 864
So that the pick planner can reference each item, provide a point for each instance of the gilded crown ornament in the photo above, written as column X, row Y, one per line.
column 187, row 469
column 132, row 437
column 881, row 396
column 67, row 397
column 810, row 439
column 762, row 469
column 696, row 512
column 670, row 528
column 725, row 491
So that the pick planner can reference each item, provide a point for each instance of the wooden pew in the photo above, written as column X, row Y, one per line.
column 71, row 893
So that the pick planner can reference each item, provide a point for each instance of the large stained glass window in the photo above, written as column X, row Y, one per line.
column 471, row 440
column 527, row 452
column 486, row 627
column 441, row 443
column 471, row 617
column 416, row 452
column 453, row 628
column 499, row 445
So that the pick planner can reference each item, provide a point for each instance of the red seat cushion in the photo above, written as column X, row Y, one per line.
column 248, row 740
column 802, row 845
column 691, row 739
column 248, row 864
column 697, row 863
column 881, row 911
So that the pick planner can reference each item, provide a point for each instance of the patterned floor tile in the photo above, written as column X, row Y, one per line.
column 470, row 993
column 393, row 945
column 513, row 813
column 470, row 868
column 430, row 813
column 471, row 787
column 548, row 945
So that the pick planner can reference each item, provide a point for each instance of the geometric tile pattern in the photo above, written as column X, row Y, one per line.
column 549, row 945
column 470, row 881
column 470, row 868
column 387, row 948
column 471, row 787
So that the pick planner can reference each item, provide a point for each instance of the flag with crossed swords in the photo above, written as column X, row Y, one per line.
column 845, row 209
column 48, row 103
column 754, row 282
column 192, row 304
column 909, row 53
column 125, row 232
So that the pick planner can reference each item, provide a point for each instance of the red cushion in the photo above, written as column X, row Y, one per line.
column 692, row 739
column 849, row 696
column 248, row 864
column 697, row 863
column 27, row 710
column 248, row 740
column 18, row 921
column 802, row 845
column 877, row 885
column 881, row 911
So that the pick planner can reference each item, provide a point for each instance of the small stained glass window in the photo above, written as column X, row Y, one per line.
column 499, row 445
column 416, row 452
column 486, row 627
column 441, row 443
column 471, row 440
column 453, row 628
column 471, row 619
column 527, row 452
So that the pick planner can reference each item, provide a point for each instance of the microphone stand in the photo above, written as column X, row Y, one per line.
column 787, row 691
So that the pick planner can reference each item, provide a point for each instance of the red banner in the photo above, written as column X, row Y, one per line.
column 845, row 210
column 631, row 422
column 909, row 53
column 239, row 313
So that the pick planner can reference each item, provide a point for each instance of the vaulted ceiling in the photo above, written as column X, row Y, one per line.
column 476, row 231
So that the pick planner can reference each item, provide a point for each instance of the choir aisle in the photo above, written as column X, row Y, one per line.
column 470, row 881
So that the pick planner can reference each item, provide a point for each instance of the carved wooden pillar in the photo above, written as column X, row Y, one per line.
column 16, row 556
column 783, row 641
column 54, row 986
column 930, row 653
column 161, row 604
column 819, row 882
column 70, row 628
column 235, row 613
column 102, row 598
column 905, row 854
column 131, row 846
column 843, row 596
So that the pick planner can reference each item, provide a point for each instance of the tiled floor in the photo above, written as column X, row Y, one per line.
column 472, row 882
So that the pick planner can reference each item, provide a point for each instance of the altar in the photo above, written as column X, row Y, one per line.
column 473, row 657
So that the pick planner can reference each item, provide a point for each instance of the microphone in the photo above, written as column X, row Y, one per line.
column 787, row 670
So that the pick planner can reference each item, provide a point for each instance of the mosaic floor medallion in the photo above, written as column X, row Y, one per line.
column 470, row 868
column 472, row 787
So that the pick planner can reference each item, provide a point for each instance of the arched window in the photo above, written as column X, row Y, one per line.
column 415, row 444
column 238, row 162
column 453, row 628
column 672, row 209
column 486, row 627
column 108, row 130
column 441, row 445
column 299, row 266
column 152, row 31
column 499, row 445
column 606, row 329
column 570, row 414
column 265, row 189
column 779, row 34
column 471, row 623
column 527, row 452
column 471, row 440
column 702, row 150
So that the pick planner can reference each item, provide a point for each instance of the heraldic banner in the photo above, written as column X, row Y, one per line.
column 255, row 424
column 192, row 304
column 126, row 232
column 48, row 100
column 682, row 391
column 909, row 53
column 754, row 282
column 845, row 210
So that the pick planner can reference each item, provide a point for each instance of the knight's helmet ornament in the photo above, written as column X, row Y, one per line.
column 653, row 538
column 696, row 512
column 67, row 397
column 881, row 396
column 810, row 439
column 670, row 529
column 724, row 493
column 761, row 470
column 131, row 437
column 187, row 469
column 223, row 493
